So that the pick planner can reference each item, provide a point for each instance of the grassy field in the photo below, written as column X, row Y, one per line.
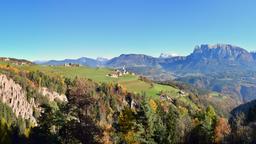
column 132, row 83
column 216, row 95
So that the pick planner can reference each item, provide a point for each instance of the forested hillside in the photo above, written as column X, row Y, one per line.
column 95, row 110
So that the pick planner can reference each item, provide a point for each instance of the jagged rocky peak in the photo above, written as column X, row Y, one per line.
column 220, row 47
column 221, row 51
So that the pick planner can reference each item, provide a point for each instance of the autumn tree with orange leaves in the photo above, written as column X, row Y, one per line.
column 222, row 130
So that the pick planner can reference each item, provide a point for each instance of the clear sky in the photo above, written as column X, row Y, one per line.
column 57, row 29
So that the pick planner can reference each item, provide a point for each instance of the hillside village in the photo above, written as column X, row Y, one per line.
column 16, row 62
column 119, row 73
column 71, row 65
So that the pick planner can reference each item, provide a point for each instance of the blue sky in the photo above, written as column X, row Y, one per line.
column 57, row 29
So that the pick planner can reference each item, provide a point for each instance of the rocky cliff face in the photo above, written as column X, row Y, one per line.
column 212, row 58
column 52, row 96
column 15, row 97
column 12, row 94
column 223, row 52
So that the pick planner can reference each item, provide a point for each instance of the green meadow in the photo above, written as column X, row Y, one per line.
column 131, row 82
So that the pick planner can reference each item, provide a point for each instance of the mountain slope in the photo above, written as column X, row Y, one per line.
column 213, row 58
column 140, row 64
column 133, row 60
column 82, row 61
column 222, row 68
column 222, row 52
column 253, row 55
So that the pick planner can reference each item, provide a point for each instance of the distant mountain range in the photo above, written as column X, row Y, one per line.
column 204, row 58
column 82, row 61
column 222, row 67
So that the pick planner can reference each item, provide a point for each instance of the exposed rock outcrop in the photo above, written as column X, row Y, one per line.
column 222, row 52
column 12, row 94
column 15, row 97
column 52, row 96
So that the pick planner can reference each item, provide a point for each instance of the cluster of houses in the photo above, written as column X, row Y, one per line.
column 15, row 62
column 20, row 63
column 72, row 65
column 6, row 59
column 119, row 73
